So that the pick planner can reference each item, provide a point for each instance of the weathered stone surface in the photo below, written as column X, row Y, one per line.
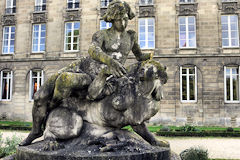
column 133, row 148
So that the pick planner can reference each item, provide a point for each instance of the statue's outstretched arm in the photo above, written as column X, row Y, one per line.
column 96, row 52
column 136, row 48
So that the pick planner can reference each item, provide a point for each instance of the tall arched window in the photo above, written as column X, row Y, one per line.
column 35, row 82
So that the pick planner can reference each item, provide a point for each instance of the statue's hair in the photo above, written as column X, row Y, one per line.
column 117, row 10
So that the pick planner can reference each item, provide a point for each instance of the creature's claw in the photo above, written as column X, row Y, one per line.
column 52, row 146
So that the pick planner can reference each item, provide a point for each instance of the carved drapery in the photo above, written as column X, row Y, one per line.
column 229, row 7
column 187, row 9
column 39, row 17
column 8, row 20
column 72, row 15
column 146, row 11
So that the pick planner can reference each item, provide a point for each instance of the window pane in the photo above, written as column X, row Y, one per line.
column 233, row 19
column 150, row 21
column 234, row 34
column 225, row 42
column 151, row 44
column 183, row 35
column 191, row 20
column 142, row 21
column 192, row 87
column 183, row 43
column 184, row 71
column 142, row 44
column 224, row 19
column 142, row 28
column 182, row 20
column 150, row 36
column 184, row 88
column 235, row 88
column 224, row 27
column 192, row 43
column 182, row 28
column 192, row 35
column 224, row 34
column 228, row 87
column 234, row 42
column 191, row 28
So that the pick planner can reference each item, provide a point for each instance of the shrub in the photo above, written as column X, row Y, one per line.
column 229, row 129
column 194, row 154
column 187, row 128
column 8, row 146
column 165, row 129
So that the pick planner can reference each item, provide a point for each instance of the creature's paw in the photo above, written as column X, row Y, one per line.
column 161, row 143
column 30, row 138
column 52, row 146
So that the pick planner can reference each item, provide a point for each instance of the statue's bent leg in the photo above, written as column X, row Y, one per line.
column 143, row 131
column 40, row 109
column 67, row 82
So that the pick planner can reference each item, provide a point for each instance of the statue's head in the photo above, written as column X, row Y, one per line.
column 154, row 75
column 118, row 13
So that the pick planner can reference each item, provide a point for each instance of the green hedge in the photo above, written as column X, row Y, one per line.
column 198, row 134
column 15, row 125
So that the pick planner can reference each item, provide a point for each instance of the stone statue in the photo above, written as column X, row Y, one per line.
column 87, row 103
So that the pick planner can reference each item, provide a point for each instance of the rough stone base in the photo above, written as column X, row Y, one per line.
column 88, row 153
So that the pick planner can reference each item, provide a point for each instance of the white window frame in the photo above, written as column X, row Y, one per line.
column 105, row 6
column 229, row 32
column 9, row 78
column 231, row 86
column 11, row 5
column 146, row 33
column 145, row 3
column 74, row 3
column 9, row 40
column 187, row 32
column 38, row 38
column 38, row 81
column 188, row 85
column 41, row 4
column 108, row 24
column 72, row 37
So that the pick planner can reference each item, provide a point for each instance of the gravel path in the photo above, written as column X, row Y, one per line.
column 226, row 148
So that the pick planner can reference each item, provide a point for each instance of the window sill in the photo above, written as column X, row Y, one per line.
column 230, row 47
column 71, row 51
column 40, row 11
column 188, row 48
column 232, row 102
column 7, row 54
column 185, row 102
column 9, row 14
column 145, row 5
column 72, row 9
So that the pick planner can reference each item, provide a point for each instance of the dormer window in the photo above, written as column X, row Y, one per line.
column 72, row 4
column 40, row 5
column 105, row 3
column 146, row 2
column 10, row 6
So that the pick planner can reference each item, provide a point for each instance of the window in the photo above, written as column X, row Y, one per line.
column 10, row 6
column 187, row 32
column 231, row 84
column 8, row 39
column 188, row 84
column 105, row 3
column 39, row 37
column 230, row 36
column 105, row 25
column 6, row 85
column 146, row 33
column 229, row 0
column 72, row 36
column 40, row 5
column 73, row 4
column 146, row 2
column 187, row 1
column 36, row 81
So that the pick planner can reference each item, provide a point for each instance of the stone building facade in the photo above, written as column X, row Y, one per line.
column 198, row 42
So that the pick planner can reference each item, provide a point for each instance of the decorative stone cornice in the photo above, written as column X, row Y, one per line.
column 187, row 8
column 39, row 17
column 72, row 15
column 8, row 20
column 146, row 11
column 229, row 7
